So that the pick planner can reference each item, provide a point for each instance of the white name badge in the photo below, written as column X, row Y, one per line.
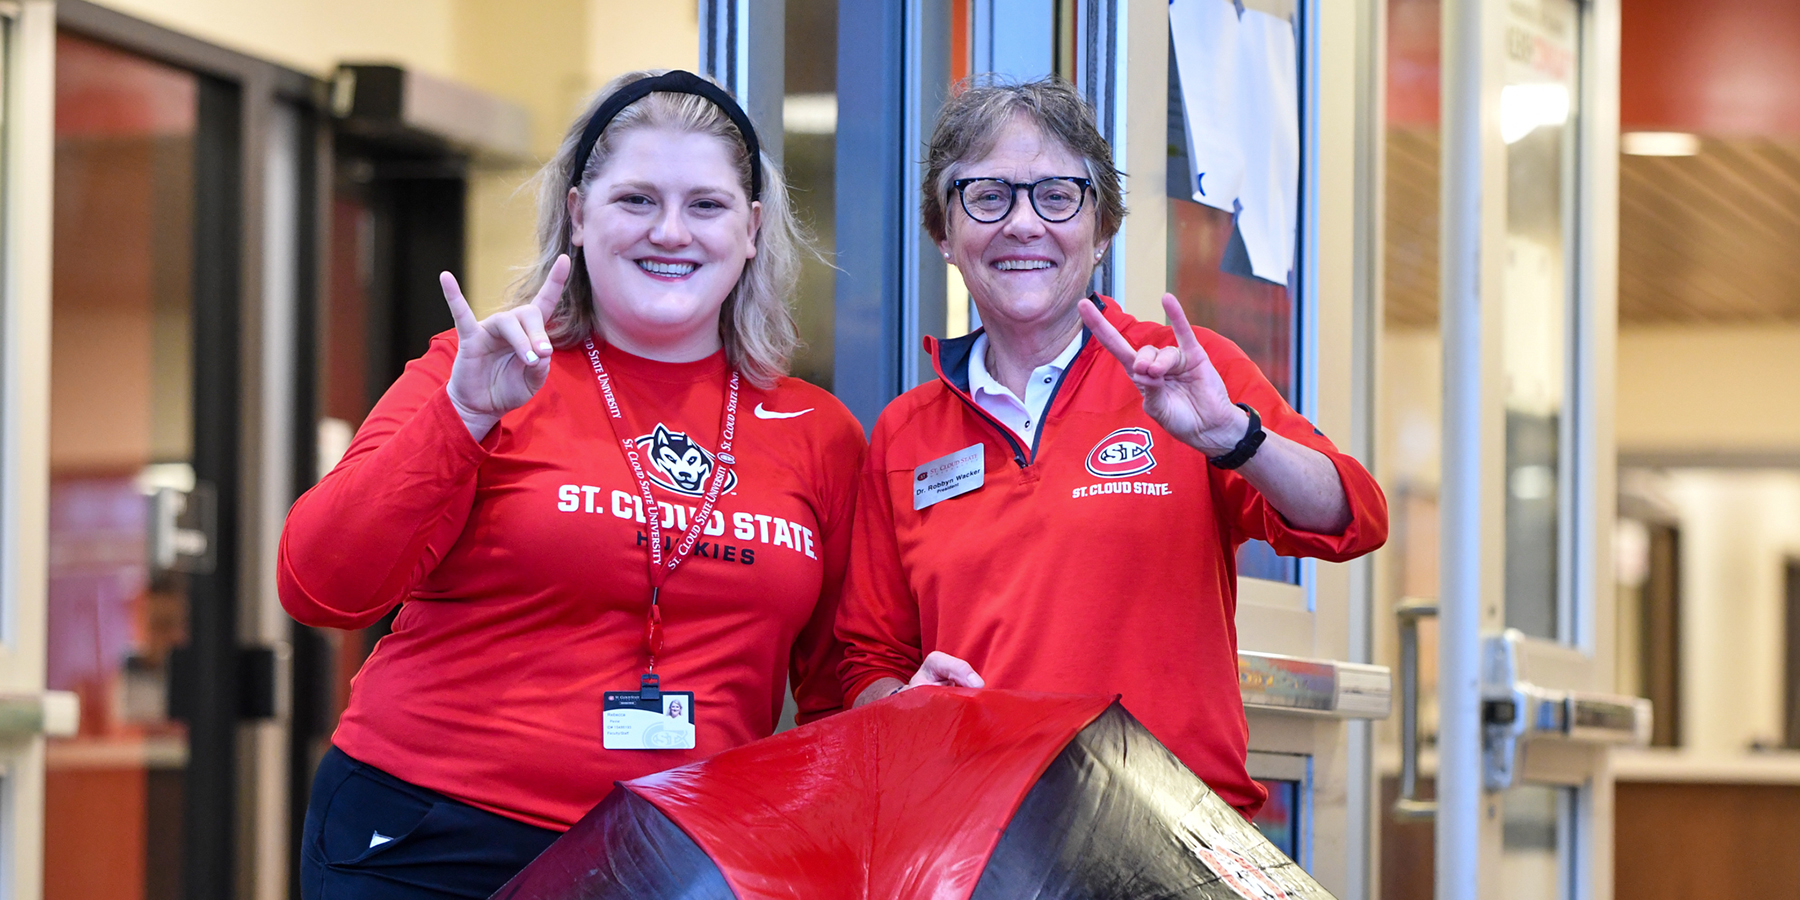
column 631, row 723
column 948, row 476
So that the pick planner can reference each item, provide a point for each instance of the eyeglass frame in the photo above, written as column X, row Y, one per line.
column 957, row 187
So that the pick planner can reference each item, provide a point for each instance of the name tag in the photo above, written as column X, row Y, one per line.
column 629, row 722
column 948, row 476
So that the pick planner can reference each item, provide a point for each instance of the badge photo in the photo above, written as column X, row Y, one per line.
column 1122, row 454
column 630, row 722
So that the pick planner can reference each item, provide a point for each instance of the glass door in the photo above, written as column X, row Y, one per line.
column 121, row 468
column 1526, row 707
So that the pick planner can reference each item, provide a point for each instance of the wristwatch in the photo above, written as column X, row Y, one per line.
column 1246, row 448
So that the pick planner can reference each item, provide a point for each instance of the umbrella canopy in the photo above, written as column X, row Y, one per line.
column 933, row 794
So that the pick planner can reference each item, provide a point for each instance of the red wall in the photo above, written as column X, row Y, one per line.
column 1719, row 67
column 1722, row 67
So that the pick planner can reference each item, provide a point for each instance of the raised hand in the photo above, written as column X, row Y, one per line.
column 502, row 360
column 1182, row 391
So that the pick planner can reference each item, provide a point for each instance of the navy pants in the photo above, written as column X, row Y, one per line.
column 371, row 836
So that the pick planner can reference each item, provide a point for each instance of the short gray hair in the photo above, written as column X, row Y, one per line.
column 980, row 107
column 755, row 324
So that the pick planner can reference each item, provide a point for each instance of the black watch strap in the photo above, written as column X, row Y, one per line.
column 1246, row 448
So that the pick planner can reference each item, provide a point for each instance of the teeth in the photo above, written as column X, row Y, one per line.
column 672, row 269
column 1010, row 265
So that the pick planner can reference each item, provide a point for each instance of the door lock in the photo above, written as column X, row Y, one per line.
column 1515, row 713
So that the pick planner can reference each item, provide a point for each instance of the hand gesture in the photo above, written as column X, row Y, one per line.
column 1182, row 391
column 502, row 360
column 941, row 668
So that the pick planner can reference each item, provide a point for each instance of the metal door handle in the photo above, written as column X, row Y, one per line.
column 1408, row 805
column 1514, row 712
column 183, row 529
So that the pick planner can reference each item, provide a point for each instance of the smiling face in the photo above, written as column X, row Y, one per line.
column 665, row 229
column 1022, row 272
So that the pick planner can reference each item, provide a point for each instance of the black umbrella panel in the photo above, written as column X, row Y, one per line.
column 933, row 794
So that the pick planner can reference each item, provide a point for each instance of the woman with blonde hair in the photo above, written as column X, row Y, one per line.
column 595, row 507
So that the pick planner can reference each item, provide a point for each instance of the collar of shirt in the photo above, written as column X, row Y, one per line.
column 1023, row 416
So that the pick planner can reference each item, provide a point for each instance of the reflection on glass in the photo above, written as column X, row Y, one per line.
column 121, row 427
column 1536, row 843
column 1233, row 189
column 1279, row 819
column 809, row 158
column 1411, row 401
column 1537, row 121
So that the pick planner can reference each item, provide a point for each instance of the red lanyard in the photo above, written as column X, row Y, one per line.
column 723, row 461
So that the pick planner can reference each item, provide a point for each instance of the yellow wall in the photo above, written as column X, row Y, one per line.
column 545, row 55
column 1709, row 389
column 315, row 35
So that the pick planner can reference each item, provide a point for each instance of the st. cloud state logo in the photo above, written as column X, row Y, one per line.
column 680, row 465
column 1122, row 454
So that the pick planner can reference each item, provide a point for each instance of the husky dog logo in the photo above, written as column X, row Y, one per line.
column 678, row 464
column 1122, row 454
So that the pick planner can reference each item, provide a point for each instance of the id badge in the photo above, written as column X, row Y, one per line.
column 631, row 722
column 949, row 476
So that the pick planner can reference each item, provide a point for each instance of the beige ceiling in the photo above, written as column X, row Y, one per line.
column 1707, row 238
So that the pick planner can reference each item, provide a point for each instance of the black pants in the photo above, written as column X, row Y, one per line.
column 371, row 836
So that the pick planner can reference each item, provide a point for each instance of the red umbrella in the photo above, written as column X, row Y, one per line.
column 933, row 794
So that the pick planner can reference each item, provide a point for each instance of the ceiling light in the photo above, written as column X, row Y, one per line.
column 1659, row 143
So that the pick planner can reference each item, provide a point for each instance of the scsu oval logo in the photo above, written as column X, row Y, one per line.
column 1122, row 454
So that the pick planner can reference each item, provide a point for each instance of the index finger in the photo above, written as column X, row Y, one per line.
column 460, row 313
column 1108, row 336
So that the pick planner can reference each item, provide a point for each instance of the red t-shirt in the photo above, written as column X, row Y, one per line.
column 522, row 571
column 1100, row 561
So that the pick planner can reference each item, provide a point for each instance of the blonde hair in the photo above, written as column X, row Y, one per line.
column 755, row 324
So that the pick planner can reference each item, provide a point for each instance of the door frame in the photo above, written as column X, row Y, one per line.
column 27, row 154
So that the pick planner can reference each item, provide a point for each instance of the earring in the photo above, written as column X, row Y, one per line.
column 946, row 257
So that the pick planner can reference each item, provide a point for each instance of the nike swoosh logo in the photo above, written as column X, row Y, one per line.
column 771, row 414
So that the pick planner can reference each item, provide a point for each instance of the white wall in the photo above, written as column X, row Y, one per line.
column 1737, row 528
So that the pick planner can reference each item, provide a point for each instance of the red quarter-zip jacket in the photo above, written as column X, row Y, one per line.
column 520, row 569
column 1100, row 561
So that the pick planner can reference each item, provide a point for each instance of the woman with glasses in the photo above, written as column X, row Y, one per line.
column 1059, row 510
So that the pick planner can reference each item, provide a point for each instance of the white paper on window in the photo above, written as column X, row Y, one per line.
column 1239, row 79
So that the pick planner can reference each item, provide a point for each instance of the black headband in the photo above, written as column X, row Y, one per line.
column 674, row 82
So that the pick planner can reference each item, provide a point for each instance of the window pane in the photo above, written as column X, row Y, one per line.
column 1537, row 838
column 1233, row 192
column 1279, row 819
column 1537, row 121
column 809, row 156
column 121, row 428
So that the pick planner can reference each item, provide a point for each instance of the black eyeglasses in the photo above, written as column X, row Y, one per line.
column 1058, row 198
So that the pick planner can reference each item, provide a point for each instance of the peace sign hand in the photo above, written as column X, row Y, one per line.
column 1182, row 391
column 502, row 360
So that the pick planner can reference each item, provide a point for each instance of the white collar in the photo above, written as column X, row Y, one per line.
column 981, row 380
